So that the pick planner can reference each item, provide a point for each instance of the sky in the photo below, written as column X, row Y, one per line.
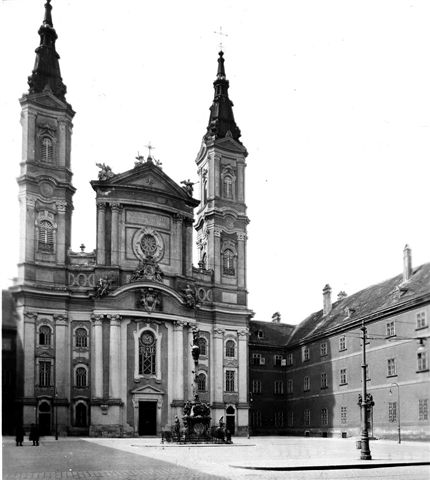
column 332, row 99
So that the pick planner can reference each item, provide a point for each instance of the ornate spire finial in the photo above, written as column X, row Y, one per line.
column 221, row 119
column 46, row 71
column 149, row 147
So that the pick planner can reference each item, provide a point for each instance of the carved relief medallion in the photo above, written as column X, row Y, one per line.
column 148, row 244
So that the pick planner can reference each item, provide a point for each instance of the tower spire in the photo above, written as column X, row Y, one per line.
column 46, row 71
column 221, row 119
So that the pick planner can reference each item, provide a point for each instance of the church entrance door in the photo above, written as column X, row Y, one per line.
column 230, row 419
column 147, row 418
column 44, row 419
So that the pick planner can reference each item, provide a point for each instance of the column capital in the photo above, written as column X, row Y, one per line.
column 217, row 232
column 115, row 206
column 30, row 202
column 61, row 206
column 30, row 317
column 179, row 324
column 178, row 218
column 101, row 205
column 60, row 319
column 243, row 334
column 97, row 319
column 114, row 320
column 242, row 236
column 219, row 332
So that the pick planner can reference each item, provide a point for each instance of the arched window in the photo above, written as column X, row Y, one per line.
column 44, row 336
column 81, row 377
column 147, row 350
column 228, row 262
column 201, row 382
column 81, row 338
column 47, row 150
column 81, row 415
column 230, row 348
column 44, row 373
column 228, row 187
column 203, row 346
column 46, row 236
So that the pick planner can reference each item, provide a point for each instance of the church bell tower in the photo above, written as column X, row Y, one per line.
column 45, row 181
column 222, row 220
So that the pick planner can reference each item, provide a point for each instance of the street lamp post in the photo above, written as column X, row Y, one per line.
column 56, row 413
column 398, row 409
column 365, row 448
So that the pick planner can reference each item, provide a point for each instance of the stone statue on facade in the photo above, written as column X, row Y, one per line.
column 105, row 172
column 149, row 299
column 103, row 287
column 188, row 186
column 147, row 269
column 190, row 296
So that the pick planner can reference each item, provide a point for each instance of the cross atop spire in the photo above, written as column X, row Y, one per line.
column 46, row 72
column 221, row 34
column 149, row 147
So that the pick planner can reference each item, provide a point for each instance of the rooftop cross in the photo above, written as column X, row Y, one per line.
column 149, row 147
column 221, row 34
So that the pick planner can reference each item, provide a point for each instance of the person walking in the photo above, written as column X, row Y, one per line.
column 19, row 437
column 34, row 434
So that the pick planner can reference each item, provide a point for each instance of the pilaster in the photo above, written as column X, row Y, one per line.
column 115, row 208
column 101, row 225
column 61, row 355
column 218, row 353
column 29, row 351
column 114, row 356
column 243, row 365
column 97, row 389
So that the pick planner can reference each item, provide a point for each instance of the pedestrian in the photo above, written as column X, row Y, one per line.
column 34, row 434
column 19, row 437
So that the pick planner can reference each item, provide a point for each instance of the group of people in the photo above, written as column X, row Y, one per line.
column 33, row 437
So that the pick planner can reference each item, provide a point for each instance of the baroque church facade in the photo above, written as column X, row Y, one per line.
column 106, row 335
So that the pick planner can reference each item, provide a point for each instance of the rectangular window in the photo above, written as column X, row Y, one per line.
column 44, row 374
column 289, row 385
column 343, row 377
column 342, row 343
column 391, row 367
column 421, row 320
column 279, row 419
column 422, row 361
column 343, row 415
column 279, row 387
column 392, row 411
column 290, row 418
column 229, row 381
column 307, row 417
column 277, row 360
column 306, row 384
column 323, row 349
column 256, row 418
column 323, row 380
column 423, row 411
column 256, row 358
column 290, row 359
column 324, row 416
column 305, row 354
column 391, row 330
column 256, row 386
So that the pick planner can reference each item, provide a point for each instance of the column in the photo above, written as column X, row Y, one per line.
column 101, row 213
column 188, row 224
column 217, row 255
column 98, row 356
column 114, row 356
column 243, row 365
column 29, row 231
column 218, row 358
column 240, row 181
column 190, row 374
column 114, row 240
column 61, row 355
column 61, row 232
column 177, row 252
column 28, row 350
column 211, row 177
column 241, row 260
column 178, row 340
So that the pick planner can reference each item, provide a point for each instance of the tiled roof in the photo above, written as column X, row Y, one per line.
column 376, row 298
column 273, row 333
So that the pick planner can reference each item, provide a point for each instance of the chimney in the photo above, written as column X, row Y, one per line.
column 327, row 299
column 341, row 295
column 407, row 263
column 276, row 317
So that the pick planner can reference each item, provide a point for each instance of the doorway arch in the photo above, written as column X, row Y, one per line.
column 230, row 414
column 45, row 418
